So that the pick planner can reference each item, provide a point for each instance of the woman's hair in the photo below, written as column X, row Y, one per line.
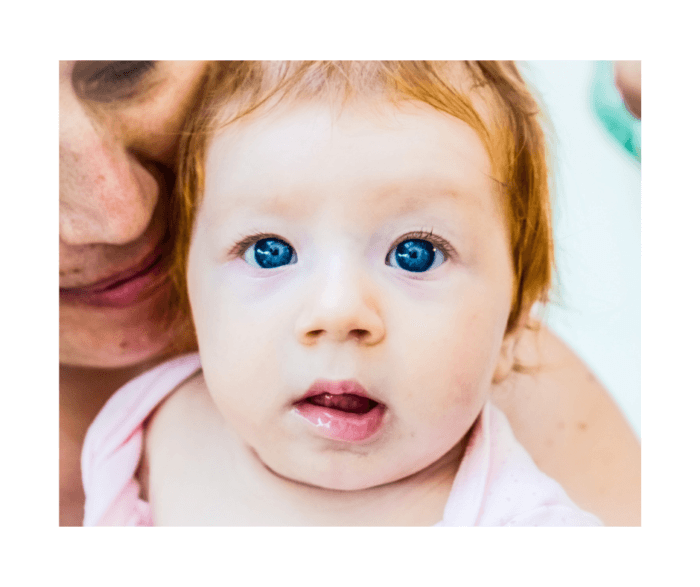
column 490, row 96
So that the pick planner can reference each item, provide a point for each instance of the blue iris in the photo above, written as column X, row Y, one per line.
column 415, row 255
column 270, row 253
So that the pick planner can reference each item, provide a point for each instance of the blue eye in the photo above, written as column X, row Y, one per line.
column 270, row 253
column 415, row 255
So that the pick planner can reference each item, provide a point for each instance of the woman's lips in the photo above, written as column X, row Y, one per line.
column 122, row 289
column 341, row 410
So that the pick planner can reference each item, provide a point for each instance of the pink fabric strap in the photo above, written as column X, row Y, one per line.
column 498, row 484
column 112, row 449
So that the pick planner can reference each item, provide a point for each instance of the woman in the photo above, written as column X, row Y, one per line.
column 119, row 124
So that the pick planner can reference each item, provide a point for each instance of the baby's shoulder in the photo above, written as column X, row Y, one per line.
column 193, row 462
column 190, row 394
column 178, row 424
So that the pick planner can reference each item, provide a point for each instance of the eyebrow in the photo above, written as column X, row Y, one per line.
column 412, row 194
column 417, row 193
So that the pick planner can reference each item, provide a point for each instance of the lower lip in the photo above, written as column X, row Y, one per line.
column 123, row 295
column 339, row 425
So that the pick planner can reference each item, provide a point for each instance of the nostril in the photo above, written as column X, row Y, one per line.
column 314, row 333
column 359, row 333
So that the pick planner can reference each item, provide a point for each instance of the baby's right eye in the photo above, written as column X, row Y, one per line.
column 270, row 253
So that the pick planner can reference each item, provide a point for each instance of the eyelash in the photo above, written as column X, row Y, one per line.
column 241, row 247
column 437, row 241
column 238, row 250
column 110, row 81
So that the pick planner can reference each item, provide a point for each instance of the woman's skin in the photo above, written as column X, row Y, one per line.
column 119, row 123
column 573, row 429
column 628, row 80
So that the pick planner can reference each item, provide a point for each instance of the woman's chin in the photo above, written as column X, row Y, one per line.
column 117, row 337
column 113, row 354
column 115, row 347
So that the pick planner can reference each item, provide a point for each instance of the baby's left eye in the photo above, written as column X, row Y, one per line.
column 415, row 255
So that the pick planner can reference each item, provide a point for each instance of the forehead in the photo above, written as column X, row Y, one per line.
column 373, row 145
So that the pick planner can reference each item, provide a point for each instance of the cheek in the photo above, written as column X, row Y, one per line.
column 239, row 333
column 241, row 364
column 448, row 353
column 241, row 329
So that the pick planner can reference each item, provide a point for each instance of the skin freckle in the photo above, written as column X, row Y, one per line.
column 62, row 273
column 582, row 426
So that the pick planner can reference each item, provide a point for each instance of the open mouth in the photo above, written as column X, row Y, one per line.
column 347, row 402
column 341, row 411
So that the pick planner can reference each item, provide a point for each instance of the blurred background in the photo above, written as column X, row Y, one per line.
column 596, row 306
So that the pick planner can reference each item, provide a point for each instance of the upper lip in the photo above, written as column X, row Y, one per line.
column 348, row 386
column 118, row 278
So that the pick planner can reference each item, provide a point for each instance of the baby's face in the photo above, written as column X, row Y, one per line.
column 350, row 280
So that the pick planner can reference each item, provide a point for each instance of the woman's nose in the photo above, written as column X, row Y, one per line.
column 106, row 195
column 343, row 306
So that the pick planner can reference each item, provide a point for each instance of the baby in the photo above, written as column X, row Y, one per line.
column 362, row 244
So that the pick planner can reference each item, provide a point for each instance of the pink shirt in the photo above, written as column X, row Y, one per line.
column 497, row 483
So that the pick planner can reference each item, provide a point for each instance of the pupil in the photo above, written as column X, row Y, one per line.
column 271, row 253
column 415, row 255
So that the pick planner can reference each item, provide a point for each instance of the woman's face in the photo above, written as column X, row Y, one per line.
column 119, row 125
column 350, row 280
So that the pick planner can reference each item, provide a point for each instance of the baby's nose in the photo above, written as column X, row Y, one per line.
column 343, row 305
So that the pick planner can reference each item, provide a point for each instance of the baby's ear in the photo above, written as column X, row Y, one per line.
column 506, row 357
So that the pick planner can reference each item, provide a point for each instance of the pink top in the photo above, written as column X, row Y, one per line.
column 497, row 483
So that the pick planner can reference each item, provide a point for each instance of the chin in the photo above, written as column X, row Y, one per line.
column 112, row 355
column 99, row 338
column 351, row 484
column 339, row 477
column 114, row 348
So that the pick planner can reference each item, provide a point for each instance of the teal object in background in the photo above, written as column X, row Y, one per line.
column 611, row 111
